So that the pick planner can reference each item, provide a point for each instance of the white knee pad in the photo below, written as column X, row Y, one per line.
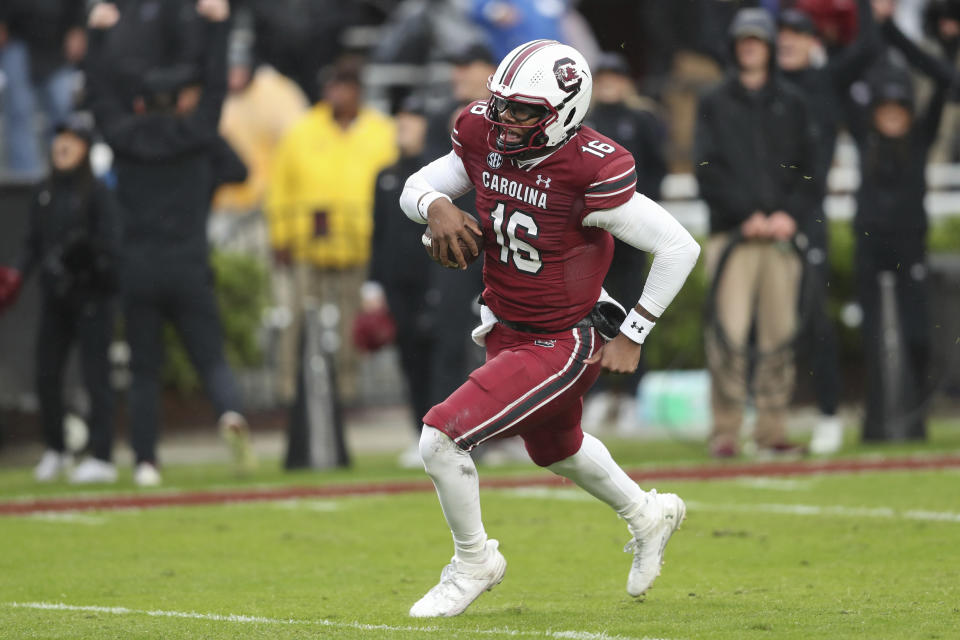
column 437, row 450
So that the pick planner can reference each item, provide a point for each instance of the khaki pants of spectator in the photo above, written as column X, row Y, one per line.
column 760, row 282
column 316, row 287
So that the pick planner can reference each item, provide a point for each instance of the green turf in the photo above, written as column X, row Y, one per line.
column 858, row 562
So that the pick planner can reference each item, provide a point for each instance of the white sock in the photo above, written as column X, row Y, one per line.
column 592, row 468
column 455, row 477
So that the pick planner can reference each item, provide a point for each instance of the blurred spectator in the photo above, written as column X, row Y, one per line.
column 825, row 81
column 618, row 112
column 41, row 42
column 754, row 150
column 941, row 22
column 72, row 243
column 150, row 34
column 420, row 31
column 713, row 19
column 400, row 267
column 666, row 28
column 296, row 38
column 471, row 67
column 256, row 115
column 509, row 23
column 836, row 21
column 168, row 160
column 894, row 140
column 320, row 208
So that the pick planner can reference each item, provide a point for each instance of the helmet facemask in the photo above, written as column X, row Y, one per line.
column 518, row 123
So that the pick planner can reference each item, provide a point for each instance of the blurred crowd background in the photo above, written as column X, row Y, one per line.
column 206, row 195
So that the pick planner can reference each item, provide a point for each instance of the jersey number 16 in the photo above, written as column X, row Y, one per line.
column 510, row 228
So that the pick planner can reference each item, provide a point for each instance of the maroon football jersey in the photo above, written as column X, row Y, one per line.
column 541, row 267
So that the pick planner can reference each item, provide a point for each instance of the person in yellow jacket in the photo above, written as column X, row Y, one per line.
column 320, row 209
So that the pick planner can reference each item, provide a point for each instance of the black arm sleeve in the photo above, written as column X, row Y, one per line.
column 382, row 207
column 848, row 66
column 103, row 96
column 940, row 71
column 227, row 166
column 928, row 124
column 109, row 220
column 207, row 115
column 107, row 224
column 32, row 245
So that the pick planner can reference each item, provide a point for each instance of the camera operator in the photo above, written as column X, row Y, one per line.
column 71, row 244
column 169, row 159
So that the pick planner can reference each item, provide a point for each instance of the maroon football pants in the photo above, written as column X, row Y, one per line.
column 531, row 386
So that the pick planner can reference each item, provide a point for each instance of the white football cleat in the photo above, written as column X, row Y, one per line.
column 460, row 584
column 51, row 465
column 94, row 471
column 651, row 529
column 146, row 475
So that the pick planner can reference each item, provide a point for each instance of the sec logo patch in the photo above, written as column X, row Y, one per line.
column 494, row 160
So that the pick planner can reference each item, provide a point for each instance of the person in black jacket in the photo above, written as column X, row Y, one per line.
column 894, row 138
column 168, row 160
column 825, row 82
column 72, row 244
column 618, row 112
column 400, row 266
column 755, row 155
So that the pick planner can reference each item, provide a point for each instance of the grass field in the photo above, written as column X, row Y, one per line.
column 868, row 555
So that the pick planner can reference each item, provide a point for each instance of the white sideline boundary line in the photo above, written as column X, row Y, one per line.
column 819, row 510
column 575, row 495
column 66, row 517
column 360, row 626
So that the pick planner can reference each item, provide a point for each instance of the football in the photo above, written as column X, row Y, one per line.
column 427, row 241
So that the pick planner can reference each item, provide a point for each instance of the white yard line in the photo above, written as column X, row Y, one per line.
column 68, row 517
column 303, row 505
column 776, row 484
column 575, row 495
column 821, row 510
column 243, row 619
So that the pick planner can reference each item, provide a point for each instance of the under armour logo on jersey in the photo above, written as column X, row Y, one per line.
column 494, row 160
column 543, row 181
column 636, row 327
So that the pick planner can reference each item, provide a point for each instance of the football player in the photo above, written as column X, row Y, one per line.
column 551, row 195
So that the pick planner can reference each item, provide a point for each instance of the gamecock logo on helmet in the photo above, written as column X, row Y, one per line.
column 568, row 78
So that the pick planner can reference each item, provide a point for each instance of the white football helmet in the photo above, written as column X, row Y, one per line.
column 544, row 79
